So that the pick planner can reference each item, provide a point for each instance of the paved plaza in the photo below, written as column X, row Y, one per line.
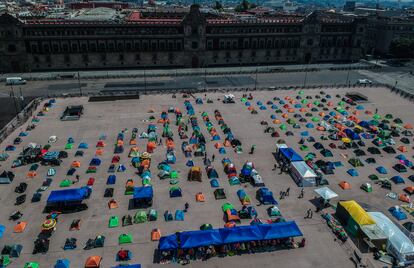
column 111, row 117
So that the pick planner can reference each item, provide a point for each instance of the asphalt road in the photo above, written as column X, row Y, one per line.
column 44, row 88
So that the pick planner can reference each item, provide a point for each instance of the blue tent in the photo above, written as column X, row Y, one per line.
column 265, row 196
column 304, row 133
column 222, row 150
column 351, row 134
column 175, row 192
column 290, row 154
column 68, row 195
column 310, row 125
column 62, row 263
column 83, row 145
column 143, row 192
column 247, row 103
column 273, row 116
column 397, row 213
column 382, row 170
column 193, row 239
column 353, row 172
column 10, row 148
column 279, row 230
column 111, row 180
column 360, row 107
column 262, row 107
column 401, row 157
column 259, row 103
column 2, row 230
column 274, row 106
column 121, row 168
column 364, row 124
column 240, row 234
column 95, row 162
column 190, row 163
column 179, row 215
column 168, row 242
column 214, row 183
column 397, row 179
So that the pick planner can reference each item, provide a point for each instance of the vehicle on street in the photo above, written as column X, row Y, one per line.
column 15, row 81
column 364, row 82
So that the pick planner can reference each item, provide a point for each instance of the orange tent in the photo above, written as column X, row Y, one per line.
column 129, row 183
column 145, row 163
column 302, row 110
column 355, row 112
column 345, row 185
column 250, row 108
column 404, row 198
column 76, row 164
column 200, row 197
column 285, row 116
column 227, row 143
column 31, row 174
column 151, row 110
column 133, row 142
column 409, row 190
column 218, row 145
column 321, row 114
column 337, row 116
column 93, row 262
column 330, row 103
column 155, row 235
column 119, row 142
column 112, row 204
column 402, row 148
column 320, row 128
column 151, row 146
column 170, row 144
column 99, row 152
column 408, row 126
column 20, row 227
column 291, row 110
column 232, row 217
column 276, row 121
column 287, row 98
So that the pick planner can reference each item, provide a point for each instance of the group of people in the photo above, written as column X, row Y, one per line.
column 184, row 256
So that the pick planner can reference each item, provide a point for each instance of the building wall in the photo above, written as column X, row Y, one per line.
column 192, row 43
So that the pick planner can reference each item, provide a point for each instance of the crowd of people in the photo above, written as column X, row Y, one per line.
column 185, row 256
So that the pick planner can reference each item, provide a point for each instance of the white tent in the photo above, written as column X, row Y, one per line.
column 326, row 193
column 303, row 174
column 399, row 245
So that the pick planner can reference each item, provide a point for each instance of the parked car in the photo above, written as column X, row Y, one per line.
column 364, row 82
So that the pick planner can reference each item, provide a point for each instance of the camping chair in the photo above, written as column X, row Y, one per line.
column 75, row 225
column 112, row 204
column 155, row 234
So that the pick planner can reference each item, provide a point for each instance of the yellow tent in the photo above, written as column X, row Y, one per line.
column 360, row 216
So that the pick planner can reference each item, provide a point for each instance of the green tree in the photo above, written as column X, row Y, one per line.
column 243, row 6
column 218, row 6
column 402, row 48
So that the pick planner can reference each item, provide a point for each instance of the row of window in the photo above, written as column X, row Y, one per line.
column 248, row 30
column 254, row 43
column 102, row 46
column 335, row 42
column 103, row 31
column 335, row 51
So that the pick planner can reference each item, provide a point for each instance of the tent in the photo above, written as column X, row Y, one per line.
column 397, row 179
column 325, row 193
column 62, row 263
column 397, row 213
column 175, row 192
column 303, row 174
column 143, row 196
column 353, row 172
column 265, row 196
column 240, row 234
column 194, row 174
column 381, row 170
column 345, row 185
column 124, row 239
column 68, row 195
column 326, row 153
column 352, row 216
column 31, row 265
column 93, row 262
column 20, row 227
column 179, row 215
column 113, row 222
column 398, row 245
column 219, row 194
column 2, row 230
column 6, row 177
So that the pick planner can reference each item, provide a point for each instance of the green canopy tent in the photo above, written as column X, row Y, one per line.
column 113, row 222
column 304, row 147
column 301, row 92
column 310, row 156
column 140, row 217
column 65, row 183
column 304, row 101
column 125, row 239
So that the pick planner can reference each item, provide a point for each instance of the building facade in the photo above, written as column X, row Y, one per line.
column 177, row 40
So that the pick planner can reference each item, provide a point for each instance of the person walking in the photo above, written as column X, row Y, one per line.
column 302, row 193
column 287, row 191
column 213, row 157
column 310, row 213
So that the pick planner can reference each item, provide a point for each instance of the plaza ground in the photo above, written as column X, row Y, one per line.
column 321, row 250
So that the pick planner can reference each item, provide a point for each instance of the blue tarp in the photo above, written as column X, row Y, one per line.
column 351, row 134
column 193, row 239
column 68, row 195
column 240, row 234
column 2, row 229
column 143, row 192
column 168, row 242
column 290, row 154
column 279, row 230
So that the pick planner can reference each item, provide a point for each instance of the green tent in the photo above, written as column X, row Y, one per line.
column 316, row 102
column 4, row 260
column 31, row 265
column 377, row 116
column 91, row 170
column 388, row 116
column 226, row 206
column 152, row 215
column 140, row 216
column 243, row 100
column 125, row 239
column 304, row 101
column 291, row 121
column 304, row 148
column 373, row 177
column 301, row 92
column 206, row 226
column 65, row 183
column 68, row 146
column 315, row 119
column 310, row 156
column 174, row 174
column 146, row 182
column 204, row 114
column 113, row 222
column 282, row 127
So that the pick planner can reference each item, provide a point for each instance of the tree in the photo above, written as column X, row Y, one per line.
column 402, row 48
column 218, row 6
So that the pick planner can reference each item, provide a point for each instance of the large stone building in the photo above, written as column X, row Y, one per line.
column 106, row 38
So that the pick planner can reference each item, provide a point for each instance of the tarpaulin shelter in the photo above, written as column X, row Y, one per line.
column 326, row 193
column 68, row 195
column 289, row 155
column 240, row 234
column 352, row 216
column 192, row 239
column 143, row 196
column 398, row 245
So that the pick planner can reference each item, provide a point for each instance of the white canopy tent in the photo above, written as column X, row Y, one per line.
column 326, row 193
column 399, row 245
column 303, row 174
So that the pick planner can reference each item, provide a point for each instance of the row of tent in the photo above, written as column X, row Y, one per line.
column 193, row 239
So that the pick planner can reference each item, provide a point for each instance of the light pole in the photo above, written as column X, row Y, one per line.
column 347, row 75
column 145, row 82
column 79, row 84
column 306, row 76
column 255, row 80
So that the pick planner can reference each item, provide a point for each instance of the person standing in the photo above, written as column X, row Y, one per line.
column 213, row 157
column 287, row 191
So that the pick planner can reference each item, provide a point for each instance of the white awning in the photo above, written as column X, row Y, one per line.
column 304, row 170
column 326, row 193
